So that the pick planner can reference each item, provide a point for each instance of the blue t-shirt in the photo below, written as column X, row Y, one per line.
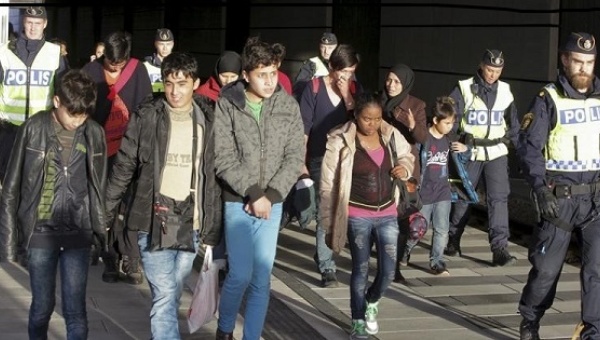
column 435, row 187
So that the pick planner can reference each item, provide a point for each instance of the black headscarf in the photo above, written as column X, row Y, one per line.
column 229, row 61
column 407, row 77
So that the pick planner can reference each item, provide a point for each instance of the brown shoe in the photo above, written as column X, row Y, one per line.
column 132, row 270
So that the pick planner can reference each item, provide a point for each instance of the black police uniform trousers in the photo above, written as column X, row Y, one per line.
column 497, row 187
column 547, row 250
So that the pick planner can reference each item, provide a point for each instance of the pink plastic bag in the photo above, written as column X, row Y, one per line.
column 205, row 301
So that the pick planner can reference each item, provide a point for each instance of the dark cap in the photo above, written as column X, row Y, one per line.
column 329, row 38
column 493, row 58
column 163, row 34
column 580, row 42
column 35, row 12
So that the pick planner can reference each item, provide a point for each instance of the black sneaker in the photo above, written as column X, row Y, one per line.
column 329, row 279
column 529, row 330
column 224, row 336
column 132, row 271
column 399, row 278
column 440, row 269
column 501, row 257
column 111, row 270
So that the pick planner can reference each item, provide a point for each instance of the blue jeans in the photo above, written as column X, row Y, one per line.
column 42, row 266
column 438, row 214
column 251, row 245
column 166, row 271
column 324, row 255
column 362, row 233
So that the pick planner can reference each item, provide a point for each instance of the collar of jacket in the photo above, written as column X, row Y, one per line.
column 483, row 85
column 49, row 122
column 234, row 92
column 348, row 133
column 158, row 101
column 570, row 92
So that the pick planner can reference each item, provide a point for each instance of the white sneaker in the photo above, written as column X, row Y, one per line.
column 371, row 325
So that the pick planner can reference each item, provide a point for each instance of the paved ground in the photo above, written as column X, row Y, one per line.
column 477, row 301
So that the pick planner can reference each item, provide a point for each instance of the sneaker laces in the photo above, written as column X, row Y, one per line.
column 358, row 327
column 372, row 311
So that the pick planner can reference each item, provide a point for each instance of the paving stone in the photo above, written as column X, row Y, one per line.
column 471, row 290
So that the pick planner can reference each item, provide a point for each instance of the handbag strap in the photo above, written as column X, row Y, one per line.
column 123, row 78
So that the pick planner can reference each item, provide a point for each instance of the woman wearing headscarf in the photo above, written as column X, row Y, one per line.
column 407, row 114
column 227, row 69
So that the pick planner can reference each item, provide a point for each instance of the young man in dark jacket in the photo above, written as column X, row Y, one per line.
column 167, row 156
column 123, row 83
column 53, row 202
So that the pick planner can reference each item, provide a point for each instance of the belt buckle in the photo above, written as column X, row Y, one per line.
column 563, row 191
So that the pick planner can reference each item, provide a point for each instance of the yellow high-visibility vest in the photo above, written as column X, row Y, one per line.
column 483, row 122
column 574, row 143
column 18, row 80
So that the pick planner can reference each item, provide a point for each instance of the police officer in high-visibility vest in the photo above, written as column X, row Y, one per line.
column 29, row 66
column 317, row 66
column 163, row 43
column 559, row 152
column 487, row 119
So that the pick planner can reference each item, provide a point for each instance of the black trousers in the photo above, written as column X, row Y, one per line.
column 547, row 250
column 122, row 241
column 497, row 188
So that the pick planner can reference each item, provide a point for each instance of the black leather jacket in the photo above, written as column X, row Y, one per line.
column 22, row 187
column 148, row 127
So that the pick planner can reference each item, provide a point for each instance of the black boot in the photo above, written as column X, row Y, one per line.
column 399, row 278
column 529, row 330
column 453, row 247
column 501, row 257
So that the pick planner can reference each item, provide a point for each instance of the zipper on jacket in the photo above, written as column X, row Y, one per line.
column 379, row 186
column 489, row 125
column 27, row 91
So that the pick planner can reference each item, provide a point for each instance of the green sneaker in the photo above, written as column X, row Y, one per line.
column 371, row 325
column 358, row 330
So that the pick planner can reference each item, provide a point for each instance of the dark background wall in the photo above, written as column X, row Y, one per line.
column 441, row 40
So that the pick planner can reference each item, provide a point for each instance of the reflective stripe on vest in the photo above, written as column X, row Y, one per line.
column 155, row 77
column 482, row 122
column 320, row 68
column 40, row 80
column 574, row 143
